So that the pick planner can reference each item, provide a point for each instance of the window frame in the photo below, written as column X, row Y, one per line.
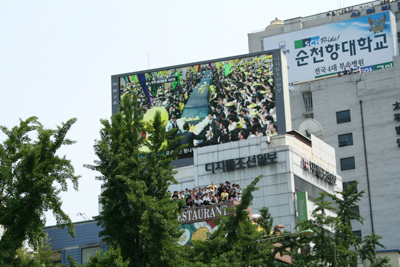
column 346, row 143
column 339, row 121
column 350, row 183
column 341, row 164
column 356, row 233
column 97, row 248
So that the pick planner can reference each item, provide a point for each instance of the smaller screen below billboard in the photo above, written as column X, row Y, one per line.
column 211, row 103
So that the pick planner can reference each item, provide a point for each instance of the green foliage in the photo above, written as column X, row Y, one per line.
column 111, row 257
column 237, row 242
column 322, row 251
column 345, row 243
column 367, row 251
column 138, row 215
column 31, row 179
column 41, row 257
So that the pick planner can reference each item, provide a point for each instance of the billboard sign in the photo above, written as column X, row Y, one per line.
column 302, row 210
column 368, row 43
column 215, row 101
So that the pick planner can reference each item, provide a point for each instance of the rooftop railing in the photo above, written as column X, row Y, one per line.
column 341, row 11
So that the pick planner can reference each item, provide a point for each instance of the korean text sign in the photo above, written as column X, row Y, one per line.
column 365, row 42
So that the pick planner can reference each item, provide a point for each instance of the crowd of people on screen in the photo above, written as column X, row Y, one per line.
column 241, row 100
column 209, row 195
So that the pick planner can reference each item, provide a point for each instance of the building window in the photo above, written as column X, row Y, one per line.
column 354, row 209
column 347, row 164
column 345, row 139
column 352, row 183
column 89, row 252
column 56, row 258
column 343, row 116
column 357, row 233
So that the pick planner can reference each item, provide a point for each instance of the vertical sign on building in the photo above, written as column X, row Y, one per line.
column 114, row 94
column 302, row 211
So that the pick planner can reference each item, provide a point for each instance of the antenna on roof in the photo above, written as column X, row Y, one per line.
column 311, row 126
column 84, row 216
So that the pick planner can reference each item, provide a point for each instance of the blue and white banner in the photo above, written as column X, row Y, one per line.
column 365, row 42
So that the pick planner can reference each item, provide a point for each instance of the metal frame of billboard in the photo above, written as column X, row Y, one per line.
column 280, row 81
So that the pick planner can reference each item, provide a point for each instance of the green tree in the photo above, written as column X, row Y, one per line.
column 345, row 240
column 138, row 215
column 237, row 241
column 333, row 235
column 367, row 251
column 41, row 257
column 31, row 179
column 322, row 251
column 111, row 257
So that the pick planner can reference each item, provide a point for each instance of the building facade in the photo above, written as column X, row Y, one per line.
column 280, row 159
column 359, row 115
column 85, row 244
column 360, row 118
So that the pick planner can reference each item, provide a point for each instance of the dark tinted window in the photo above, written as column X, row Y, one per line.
column 347, row 164
column 343, row 116
column 357, row 233
column 355, row 209
column 346, row 184
column 346, row 139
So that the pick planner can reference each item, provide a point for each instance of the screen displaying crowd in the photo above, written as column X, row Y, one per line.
column 211, row 103
column 209, row 195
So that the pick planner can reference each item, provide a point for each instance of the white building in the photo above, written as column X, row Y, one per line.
column 279, row 159
column 360, row 116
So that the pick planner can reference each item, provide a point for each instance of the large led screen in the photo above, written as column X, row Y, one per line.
column 212, row 102
column 365, row 43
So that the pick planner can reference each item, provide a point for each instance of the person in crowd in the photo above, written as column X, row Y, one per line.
column 227, row 185
column 172, row 124
column 239, row 196
column 242, row 135
column 189, row 202
column 175, row 196
column 213, row 199
column 188, row 137
column 187, row 193
column 232, row 195
column 206, row 199
column 199, row 192
column 224, row 196
column 232, row 123
column 238, row 189
column 198, row 202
